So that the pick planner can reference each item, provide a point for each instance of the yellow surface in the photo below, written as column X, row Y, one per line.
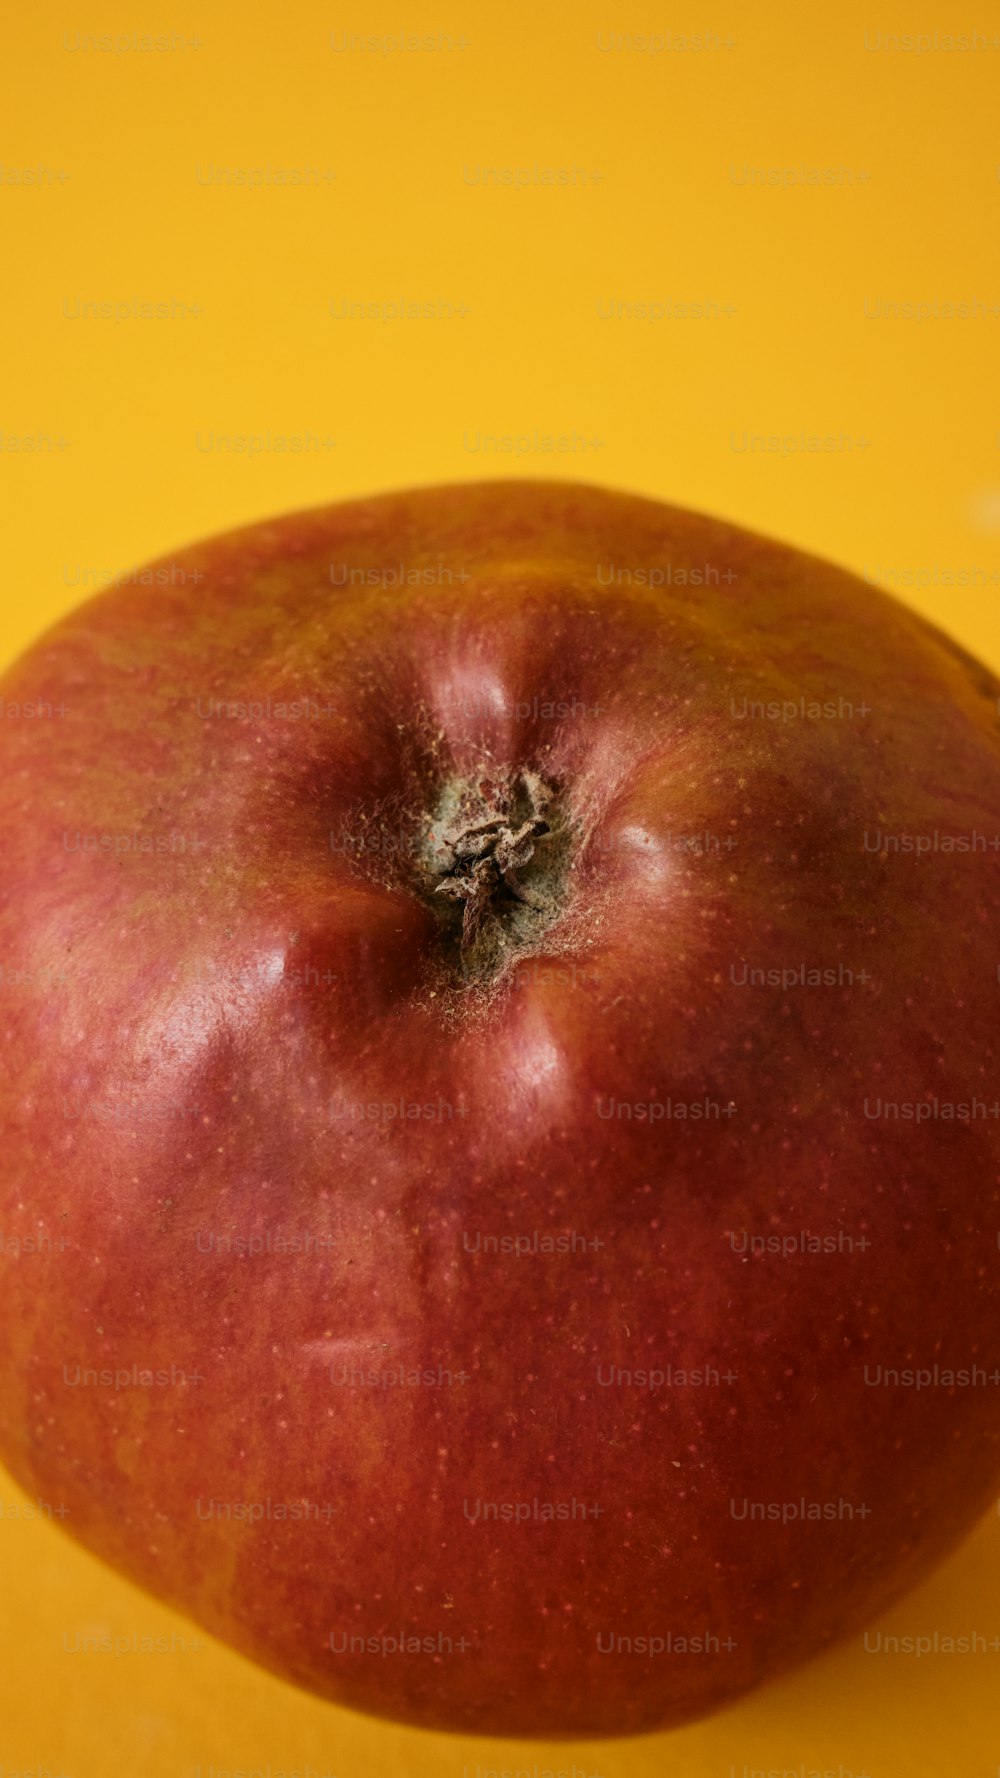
column 135, row 199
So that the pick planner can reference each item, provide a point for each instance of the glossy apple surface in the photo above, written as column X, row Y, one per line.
column 457, row 974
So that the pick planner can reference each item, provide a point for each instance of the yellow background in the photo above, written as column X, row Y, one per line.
column 127, row 416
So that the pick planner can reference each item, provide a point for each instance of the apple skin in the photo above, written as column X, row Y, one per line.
column 186, row 1027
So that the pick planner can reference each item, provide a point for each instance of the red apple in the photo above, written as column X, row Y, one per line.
column 500, row 1177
